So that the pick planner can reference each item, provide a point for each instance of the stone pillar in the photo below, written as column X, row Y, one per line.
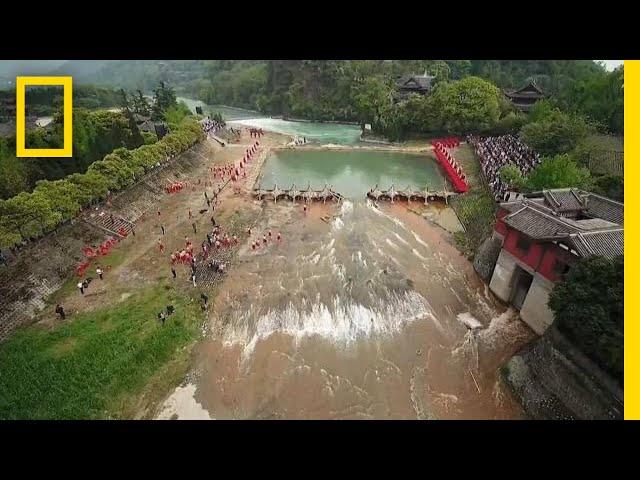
column 502, row 274
column 534, row 311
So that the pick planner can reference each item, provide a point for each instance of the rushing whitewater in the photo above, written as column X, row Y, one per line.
column 365, row 316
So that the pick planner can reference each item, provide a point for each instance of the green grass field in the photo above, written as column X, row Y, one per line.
column 475, row 209
column 97, row 364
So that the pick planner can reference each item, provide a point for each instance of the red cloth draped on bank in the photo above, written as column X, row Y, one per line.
column 454, row 171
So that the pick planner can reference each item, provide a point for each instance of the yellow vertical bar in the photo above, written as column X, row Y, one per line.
column 68, row 116
column 631, row 227
column 20, row 116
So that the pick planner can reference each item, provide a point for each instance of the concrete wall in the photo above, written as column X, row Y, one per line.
column 502, row 275
column 534, row 311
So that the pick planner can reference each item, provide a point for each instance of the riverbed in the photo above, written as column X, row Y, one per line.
column 360, row 311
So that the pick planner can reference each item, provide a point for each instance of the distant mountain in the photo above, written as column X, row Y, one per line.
column 13, row 68
column 81, row 70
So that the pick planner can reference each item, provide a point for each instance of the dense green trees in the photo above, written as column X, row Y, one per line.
column 175, row 114
column 468, row 105
column 95, row 133
column 46, row 100
column 552, row 131
column 164, row 97
column 30, row 215
column 560, row 171
column 589, row 310
column 611, row 186
column 600, row 97
column 323, row 90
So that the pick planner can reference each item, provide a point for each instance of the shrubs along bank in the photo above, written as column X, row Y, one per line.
column 28, row 216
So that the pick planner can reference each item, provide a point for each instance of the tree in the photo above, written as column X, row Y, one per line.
column 560, row 171
column 140, row 104
column 470, row 104
column 164, row 98
column 589, row 309
column 62, row 195
column 557, row 132
column 370, row 98
column 610, row 186
column 441, row 70
column 33, row 215
column 175, row 114
column 601, row 97
column 512, row 176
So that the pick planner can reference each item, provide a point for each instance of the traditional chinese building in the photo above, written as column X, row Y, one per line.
column 542, row 236
column 409, row 84
column 525, row 98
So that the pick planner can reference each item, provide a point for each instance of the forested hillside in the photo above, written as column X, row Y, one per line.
column 348, row 89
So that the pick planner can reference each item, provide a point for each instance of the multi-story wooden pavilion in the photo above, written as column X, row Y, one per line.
column 525, row 98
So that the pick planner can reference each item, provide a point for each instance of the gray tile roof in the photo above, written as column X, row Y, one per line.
column 608, row 244
column 605, row 208
column 538, row 224
column 423, row 81
column 563, row 200
column 542, row 218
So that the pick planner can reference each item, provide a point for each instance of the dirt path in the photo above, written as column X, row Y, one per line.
column 138, row 259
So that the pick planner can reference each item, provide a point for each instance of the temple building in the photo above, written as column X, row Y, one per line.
column 525, row 98
column 542, row 236
column 409, row 84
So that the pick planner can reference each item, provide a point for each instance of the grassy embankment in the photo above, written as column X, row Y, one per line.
column 476, row 209
column 108, row 363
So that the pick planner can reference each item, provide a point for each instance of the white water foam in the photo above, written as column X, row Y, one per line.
column 419, row 240
column 391, row 244
column 417, row 254
column 401, row 239
column 341, row 323
column 469, row 321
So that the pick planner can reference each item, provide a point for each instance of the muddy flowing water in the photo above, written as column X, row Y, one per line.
column 362, row 312
column 362, row 317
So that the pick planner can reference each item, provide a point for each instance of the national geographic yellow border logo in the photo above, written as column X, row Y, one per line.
column 67, row 86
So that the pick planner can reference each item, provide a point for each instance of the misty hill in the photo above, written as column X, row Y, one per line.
column 12, row 68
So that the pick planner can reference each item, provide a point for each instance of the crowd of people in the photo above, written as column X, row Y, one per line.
column 216, row 240
column 211, row 126
column 175, row 187
column 496, row 152
column 266, row 238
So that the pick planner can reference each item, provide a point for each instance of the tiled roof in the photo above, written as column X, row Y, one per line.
column 608, row 244
column 542, row 218
column 590, row 224
column 422, row 80
column 530, row 90
column 537, row 224
column 606, row 208
column 563, row 200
